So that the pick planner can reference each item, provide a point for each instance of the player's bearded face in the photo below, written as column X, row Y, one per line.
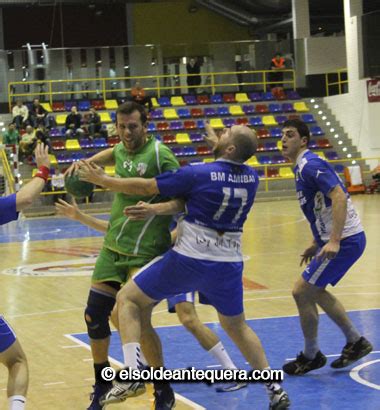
column 131, row 131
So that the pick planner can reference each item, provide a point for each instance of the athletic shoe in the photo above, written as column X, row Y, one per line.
column 164, row 399
column 121, row 391
column 231, row 387
column 352, row 352
column 303, row 365
column 99, row 390
column 279, row 400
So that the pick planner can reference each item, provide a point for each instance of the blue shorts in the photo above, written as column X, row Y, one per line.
column 7, row 335
column 172, row 274
column 331, row 271
column 185, row 297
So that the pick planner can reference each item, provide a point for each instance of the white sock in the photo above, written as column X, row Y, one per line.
column 132, row 355
column 271, row 387
column 351, row 333
column 221, row 356
column 16, row 402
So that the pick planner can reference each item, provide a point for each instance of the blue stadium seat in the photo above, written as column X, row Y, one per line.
column 189, row 151
column 222, row 111
column 190, row 99
column 278, row 159
column 275, row 132
column 84, row 105
column 256, row 121
column 216, row 99
column 292, row 95
column 69, row 105
column 249, row 109
column 86, row 143
column 228, row 122
column 270, row 146
column 156, row 115
column 312, row 144
column 113, row 116
column 210, row 112
column 339, row 168
column 265, row 159
column 200, row 124
column 315, row 130
column 280, row 119
column 267, row 96
column 177, row 151
column 183, row 113
column 196, row 137
column 151, row 127
column 331, row 155
column 164, row 102
column 274, row 108
column 77, row 156
column 308, row 118
column 255, row 97
column 176, row 125
column 100, row 142
column 287, row 107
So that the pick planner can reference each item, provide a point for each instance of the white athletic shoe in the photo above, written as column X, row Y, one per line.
column 121, row 391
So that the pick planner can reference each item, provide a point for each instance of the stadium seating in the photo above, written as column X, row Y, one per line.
column 189, row 151
column 323, row 143
column 58, row 146
column 216, row 123
column 203, row 99
column 69, row 105
column 72, row 145
column 229, row 98
column 332, row 155
column 252, row 162
column 60, row 119
column 267, row 96
column 242, row 121
column 274, row 108
column 301, row 107
column 58, row 106
column 183, row 138
column 105, row 117
column 196, row 137
column 84, row 105
column 279, row 145
column 154, row 102
column 242, row 98
column 151, row 127
column 263, row 133
column 280, row 119
column 236, row 110
column 287, row 107
column 204, row 150
column 275, row 132
column 170, row 114
column 47, row 107
column 86, row 143
column 320, row 154
column 223, row 111
column 196, row 112
column 169, row 139
column 176, row 125
column 112, row 141
column 177, row 101
column 228, row 122
column 308, row 118
column 315, row 130
column 162, row 126
column 111, row 105
column 216, row 99
column 269, row 120
column 210, row 112
column 255, row 97
column 249, row 109
column 286, row 172
column 156, row 115
column 184, row 113
column 261, row 108
column 164, row 101
column 189, row 125
column 100, row 142
column 190, row 99
column 273, row 173
column 98, row 104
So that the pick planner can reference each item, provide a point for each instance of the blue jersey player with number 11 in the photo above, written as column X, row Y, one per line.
column 206, row 256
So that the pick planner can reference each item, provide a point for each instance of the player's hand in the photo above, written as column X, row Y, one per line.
column 65, row 209
column 42, row 155
column 72, row 169
column 309, row 254
column 90, row 172
column 329, row 251
column 211, row 137
column 140, row 211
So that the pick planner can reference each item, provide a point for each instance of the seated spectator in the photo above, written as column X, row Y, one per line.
column 139, row 96
column 11, row 136
column 20, row 114
column 28, row 142
column 38, row 114
column 93, row 122
column 43, row 136
column 73, row 123
column 58, row 184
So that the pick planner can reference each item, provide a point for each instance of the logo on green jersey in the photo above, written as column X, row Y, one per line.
column 141, row 168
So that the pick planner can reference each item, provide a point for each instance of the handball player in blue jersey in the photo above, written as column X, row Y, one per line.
column 338, row 242
column 11, row 352
column 206, row 256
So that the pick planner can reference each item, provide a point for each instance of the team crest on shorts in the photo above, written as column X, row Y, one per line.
column 141, row 168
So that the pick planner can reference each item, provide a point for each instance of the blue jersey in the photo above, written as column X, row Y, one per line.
column 218, row 197
column 8, row 210
column 315, row 178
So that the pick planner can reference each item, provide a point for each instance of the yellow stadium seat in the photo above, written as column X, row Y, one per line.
column 72, row 145
column 286, row 172
column 183, row 138
column 111, row 105
column 252, row 161
column 300, row 106
column 110, row 170
column 177, row 101
column 61, row 119
column 170, row 114
column 53, row 159
column 105, row 117
column 242, row 98
column 279, row 145
column 216, row 123
column 269, row 120
column 208, row 159
column 47, row 107
column 236, row 110
column 320, row 154
column 155, row 102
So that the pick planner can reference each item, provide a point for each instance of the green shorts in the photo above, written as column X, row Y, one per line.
column 115, row 267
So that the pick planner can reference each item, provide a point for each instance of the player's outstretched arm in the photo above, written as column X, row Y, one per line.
column 72, row 211
column 27, row 194
column 101, row 158
column 91, row 172
column 143, row 210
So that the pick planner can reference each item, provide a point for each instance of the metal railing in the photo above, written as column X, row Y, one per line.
column 212, row 81
column 339, row 81
column 9, row 180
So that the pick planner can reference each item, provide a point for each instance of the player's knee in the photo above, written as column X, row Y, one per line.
column 190, row 321
column 96, row 314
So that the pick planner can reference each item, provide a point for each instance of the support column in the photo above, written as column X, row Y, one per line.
column 301, row 30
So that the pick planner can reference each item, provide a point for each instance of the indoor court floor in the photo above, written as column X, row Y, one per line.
column 45, row 267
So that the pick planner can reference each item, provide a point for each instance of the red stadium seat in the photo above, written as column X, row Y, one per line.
column 189, row 125
column 163, row 126
column 323, row 143
column 169, row 139
column 58, row 106
column 242, row 121
column 112, row 141
column 273, row 173
column 98, row 104
column 196, row 112
column 203, row 99
column 229, row 98
column 261, row 108
column 204, row 150
column 263, row 133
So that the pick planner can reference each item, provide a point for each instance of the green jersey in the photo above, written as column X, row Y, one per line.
column 147, row 239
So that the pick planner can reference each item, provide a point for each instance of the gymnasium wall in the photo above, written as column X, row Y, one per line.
column 171, row 22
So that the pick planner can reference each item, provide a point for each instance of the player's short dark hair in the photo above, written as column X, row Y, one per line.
column 129, row 107
column 301, row 127
column 246, row 146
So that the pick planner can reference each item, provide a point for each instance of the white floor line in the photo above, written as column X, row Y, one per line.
column 70, row 347
column 354, row 374
column 179, row 397
column 53, row 383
